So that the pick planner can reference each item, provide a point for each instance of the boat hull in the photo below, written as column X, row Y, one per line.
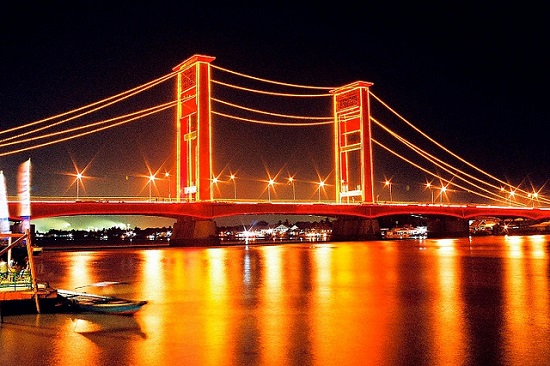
column 84, row 302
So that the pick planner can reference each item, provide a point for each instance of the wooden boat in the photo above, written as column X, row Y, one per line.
column 86, row 302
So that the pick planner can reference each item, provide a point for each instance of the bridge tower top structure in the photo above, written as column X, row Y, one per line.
column 352, row 143
column 352, row 136
column 194, row 129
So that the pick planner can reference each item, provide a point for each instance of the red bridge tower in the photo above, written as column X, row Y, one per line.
column 352, row 143
column 194, row 130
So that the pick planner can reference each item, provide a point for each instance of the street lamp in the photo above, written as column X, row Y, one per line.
column 214, row 182
column 389, row 184
column 78, row 182
column 443, row 190
column 429, row 186
column 269, row 184
column 232, row 177
column 533, row 196
column 321, row 185
column 167, row 175
column 151, row 180
column 291, row 181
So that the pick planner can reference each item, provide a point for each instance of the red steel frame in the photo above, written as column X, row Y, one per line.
column 194, row 130
column 352, row 141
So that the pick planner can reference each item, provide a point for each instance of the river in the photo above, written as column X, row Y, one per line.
column 468, row 301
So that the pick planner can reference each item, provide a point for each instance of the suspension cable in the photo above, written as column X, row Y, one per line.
column 429, row 172
column 438, row 144
column 269, row 93
column 438, row 162
column 269, row 113
column 137, row 91
column 143, row 86
column 273, row 82
column 151, row 111
column 286, row 124
column 77, row 128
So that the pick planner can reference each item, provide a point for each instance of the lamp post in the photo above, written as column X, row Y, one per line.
column 389, row 184
column 269, row 184
column 214, row 182
column 291, row 181
column 232, row 177
column 535, row 196
column 78, row 180
column 321, row 185
column 151, row 179
column 167, row 175
column 429, row 186
column 443, row 190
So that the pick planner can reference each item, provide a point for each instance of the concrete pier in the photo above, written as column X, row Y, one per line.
column 191, row 232
column 355, row 228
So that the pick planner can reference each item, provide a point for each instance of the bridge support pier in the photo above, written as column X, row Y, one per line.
column 192, row 232
column 448, row 227
column 355, row 229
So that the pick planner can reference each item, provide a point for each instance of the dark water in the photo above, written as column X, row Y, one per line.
column 480, row 301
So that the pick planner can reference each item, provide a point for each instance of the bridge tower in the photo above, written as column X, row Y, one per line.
column 194, row 129
column 352, row 141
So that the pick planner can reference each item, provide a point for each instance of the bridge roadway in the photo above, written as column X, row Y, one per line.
column 216, row 209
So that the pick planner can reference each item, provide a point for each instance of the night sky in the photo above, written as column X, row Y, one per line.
column 473, row 77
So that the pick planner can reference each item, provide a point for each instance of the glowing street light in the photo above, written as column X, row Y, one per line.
column 269, row 184
column 511, row 196
column 443, row 190
column 232, row 177
column 167, row 175
column 389, row 184
column 429, row 186
column 78, row 182
column 291, row 181
column 321, row 185
column 214, row 182
column 151, row 180
column 533, row 196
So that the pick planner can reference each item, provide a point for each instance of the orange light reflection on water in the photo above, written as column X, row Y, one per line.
column 448, row 308
column 526, row 298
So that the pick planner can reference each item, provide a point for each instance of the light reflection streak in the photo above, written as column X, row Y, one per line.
column 537, row 244
column 275, row 327
column 449, row 329
column 80, row 273
column 514, row 246
column 218, row 321
column 515, row 295
column 526, row 299
column 446, row 246
column 152, row 278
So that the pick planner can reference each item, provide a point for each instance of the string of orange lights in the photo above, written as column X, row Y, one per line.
column 125, row 119
column 516, row 190
column 455, row 172
column 101, row 104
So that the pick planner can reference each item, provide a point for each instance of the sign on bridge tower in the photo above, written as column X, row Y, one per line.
column 194, row 130
column 352, row 142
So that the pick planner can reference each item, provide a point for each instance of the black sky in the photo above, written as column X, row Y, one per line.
column 474, row 77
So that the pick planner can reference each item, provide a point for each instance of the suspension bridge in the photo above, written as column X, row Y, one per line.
column 357, row 174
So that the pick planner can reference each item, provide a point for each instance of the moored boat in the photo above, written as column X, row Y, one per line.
column 407, row 232
column 86, row 302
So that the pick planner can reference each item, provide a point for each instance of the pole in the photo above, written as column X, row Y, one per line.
column 31, row 269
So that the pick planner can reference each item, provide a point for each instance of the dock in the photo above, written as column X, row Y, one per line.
column 21, row 286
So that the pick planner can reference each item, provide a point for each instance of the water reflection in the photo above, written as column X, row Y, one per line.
column 471, row 301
